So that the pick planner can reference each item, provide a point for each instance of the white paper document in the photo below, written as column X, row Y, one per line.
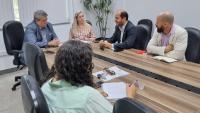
column 115, row 90
column 165, row 59
column 105, row 76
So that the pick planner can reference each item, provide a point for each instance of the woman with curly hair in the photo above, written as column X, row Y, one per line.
column 71, row 89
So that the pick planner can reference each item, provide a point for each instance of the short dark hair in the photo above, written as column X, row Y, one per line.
column 124, row 14
column 73, row 62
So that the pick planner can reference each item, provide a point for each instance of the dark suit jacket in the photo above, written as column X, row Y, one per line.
column 128, row 39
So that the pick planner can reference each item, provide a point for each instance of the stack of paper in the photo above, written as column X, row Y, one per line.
column 106, row 76
column 115, row 90
column 165, row 59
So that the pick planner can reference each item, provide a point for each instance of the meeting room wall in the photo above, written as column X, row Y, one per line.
column 6, row 13
column 185, row 11
column 5, row 60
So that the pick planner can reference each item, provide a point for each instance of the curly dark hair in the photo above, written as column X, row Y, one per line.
column 73, row 62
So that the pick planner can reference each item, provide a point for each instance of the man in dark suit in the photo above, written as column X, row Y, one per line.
column 124, row 35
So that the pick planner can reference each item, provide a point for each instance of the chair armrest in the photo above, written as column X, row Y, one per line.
column 16, row 52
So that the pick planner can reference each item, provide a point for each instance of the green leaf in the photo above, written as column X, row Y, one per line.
column 102, row 9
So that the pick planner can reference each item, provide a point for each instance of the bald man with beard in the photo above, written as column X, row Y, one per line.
column 169, row 39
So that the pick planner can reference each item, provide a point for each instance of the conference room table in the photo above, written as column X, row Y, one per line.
column 159, row 95
column 181, row 73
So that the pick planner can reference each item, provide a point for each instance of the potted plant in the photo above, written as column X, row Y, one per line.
column 102, row 10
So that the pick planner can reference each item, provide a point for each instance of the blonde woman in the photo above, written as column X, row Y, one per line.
column 80, row 29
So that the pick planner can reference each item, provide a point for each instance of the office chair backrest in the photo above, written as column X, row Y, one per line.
column 141, row 38
column 32, row 96
column 35, row 61
column 193, row 48
column 127, row 105
column 13, row 34
column 149, row 24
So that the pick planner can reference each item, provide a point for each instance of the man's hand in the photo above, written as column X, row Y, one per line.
column 101, row 45
column 105, row 44
column 108, row 45
column 169, row 48
column 55, row 42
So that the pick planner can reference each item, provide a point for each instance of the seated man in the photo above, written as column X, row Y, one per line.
column 40, row 32
column 169, row 39
column 124, row 35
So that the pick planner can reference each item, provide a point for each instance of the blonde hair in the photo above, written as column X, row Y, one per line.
column 75, row 26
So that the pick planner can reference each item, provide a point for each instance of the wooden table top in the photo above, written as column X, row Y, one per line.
column 182, row 71
column 161, row 97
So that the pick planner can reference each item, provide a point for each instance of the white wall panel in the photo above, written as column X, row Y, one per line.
column 57, row 10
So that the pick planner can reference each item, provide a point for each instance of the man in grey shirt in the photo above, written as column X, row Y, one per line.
column 40, row 32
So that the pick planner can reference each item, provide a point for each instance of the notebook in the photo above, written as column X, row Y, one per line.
column 165, row 59
column 115, row 90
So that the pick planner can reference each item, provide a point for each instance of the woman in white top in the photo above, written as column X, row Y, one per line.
column 80, row 29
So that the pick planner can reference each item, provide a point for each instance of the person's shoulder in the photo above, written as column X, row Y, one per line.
column 179, row 30
column 91, row 92
column 130, row 25
column 86, row 94
column 49, row 23
column 89, row 89
column 88, row 26
column 45, row 87
column 31, row 25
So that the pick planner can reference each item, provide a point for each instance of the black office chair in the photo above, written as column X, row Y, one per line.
column 36, row 62
column 193, row 48
column 141, row 37
column 127, row 105
column 146, row 22
column 32, row 96
column 149, row 24
column 13, row 34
